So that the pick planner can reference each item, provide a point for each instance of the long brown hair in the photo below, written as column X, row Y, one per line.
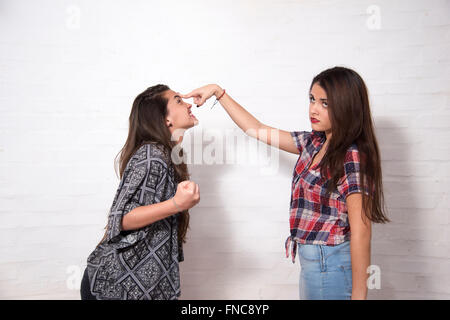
column 147, row 123
column 351, row 122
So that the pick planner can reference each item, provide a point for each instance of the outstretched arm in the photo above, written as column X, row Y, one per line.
column 245, row 120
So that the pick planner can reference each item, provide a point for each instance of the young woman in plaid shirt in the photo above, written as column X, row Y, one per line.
column 337, row 183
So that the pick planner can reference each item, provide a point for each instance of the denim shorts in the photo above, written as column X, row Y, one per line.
column 326, row 272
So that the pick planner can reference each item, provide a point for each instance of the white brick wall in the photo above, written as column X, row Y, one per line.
column 70, row 70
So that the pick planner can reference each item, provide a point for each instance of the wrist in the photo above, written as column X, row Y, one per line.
column 177, row 204
column 217, row 91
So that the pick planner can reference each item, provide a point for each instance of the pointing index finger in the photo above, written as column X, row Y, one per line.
column 188, row 95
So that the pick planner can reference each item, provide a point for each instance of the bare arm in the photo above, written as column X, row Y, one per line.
column 360, row 240
column 245, row 120
column 144, row 215
column 187, row 196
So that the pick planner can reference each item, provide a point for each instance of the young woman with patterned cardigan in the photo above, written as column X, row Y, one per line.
column 138, row 257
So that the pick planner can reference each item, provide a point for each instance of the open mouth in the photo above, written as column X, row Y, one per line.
column 314, row 120
column 191, row 115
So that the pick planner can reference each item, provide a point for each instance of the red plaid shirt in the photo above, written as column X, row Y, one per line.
column 316, row 218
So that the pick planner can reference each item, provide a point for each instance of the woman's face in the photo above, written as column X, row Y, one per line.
column 318, row 109
column 179, row 112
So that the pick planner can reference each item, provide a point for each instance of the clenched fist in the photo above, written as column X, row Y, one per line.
column 187, row 195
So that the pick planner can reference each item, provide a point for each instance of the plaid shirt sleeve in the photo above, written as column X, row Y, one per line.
column 351, row 182
column 300, row 138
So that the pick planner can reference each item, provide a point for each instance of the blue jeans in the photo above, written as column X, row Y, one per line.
column 326, row 272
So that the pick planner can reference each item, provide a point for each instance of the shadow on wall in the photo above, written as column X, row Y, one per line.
column 219, row 260
column 395, row 245
column 216, row 265
column 208, row 250
column 207, row 237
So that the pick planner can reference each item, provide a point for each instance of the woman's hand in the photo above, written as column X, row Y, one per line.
column 202, row 94
column 187, row 195
column 245, row 120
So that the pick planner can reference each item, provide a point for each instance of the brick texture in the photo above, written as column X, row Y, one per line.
column 71, row 69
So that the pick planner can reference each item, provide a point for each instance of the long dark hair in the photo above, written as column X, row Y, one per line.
column 147, row 123
column 351, row 122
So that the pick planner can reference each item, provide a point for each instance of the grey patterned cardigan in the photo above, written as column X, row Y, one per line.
column 139, row 264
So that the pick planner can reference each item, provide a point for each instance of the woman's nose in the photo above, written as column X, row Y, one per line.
column 313, row 108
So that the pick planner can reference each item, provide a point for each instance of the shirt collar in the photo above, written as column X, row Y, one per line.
column 318, row 137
